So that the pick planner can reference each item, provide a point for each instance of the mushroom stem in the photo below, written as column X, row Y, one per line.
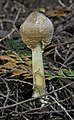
column 38, row 71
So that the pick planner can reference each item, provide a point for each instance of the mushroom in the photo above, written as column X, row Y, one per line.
column 36, row 33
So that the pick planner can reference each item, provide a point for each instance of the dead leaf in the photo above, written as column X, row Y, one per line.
column 57, row 13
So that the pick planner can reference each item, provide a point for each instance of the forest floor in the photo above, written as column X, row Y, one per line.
column 16, row 80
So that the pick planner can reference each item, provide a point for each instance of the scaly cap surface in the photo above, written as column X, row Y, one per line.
column 36, row 28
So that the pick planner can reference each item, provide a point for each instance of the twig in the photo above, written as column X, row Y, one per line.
column 20, row 5
column 17, row 16
column 17, row 80
column 16, row 109
column 70, row 57
column 8, row 92
column 70, row 63
column 32, row 99
column 25, row 118
column 8, row 35
column 63, row 108
column 1, row 24
column 7, row 96
column 7, row 20
column 6, row 5
column 61, row 3
column 39, row 108
column 70, row 1
column 59, row 54
column 57, row 111
column 3, row 33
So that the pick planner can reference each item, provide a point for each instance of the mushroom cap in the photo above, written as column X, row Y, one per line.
column 36, row 28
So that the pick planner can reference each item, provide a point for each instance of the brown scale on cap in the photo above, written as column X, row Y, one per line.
column 36, row 28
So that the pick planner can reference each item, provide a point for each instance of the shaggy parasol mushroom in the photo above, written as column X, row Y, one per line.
column 36, row 33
